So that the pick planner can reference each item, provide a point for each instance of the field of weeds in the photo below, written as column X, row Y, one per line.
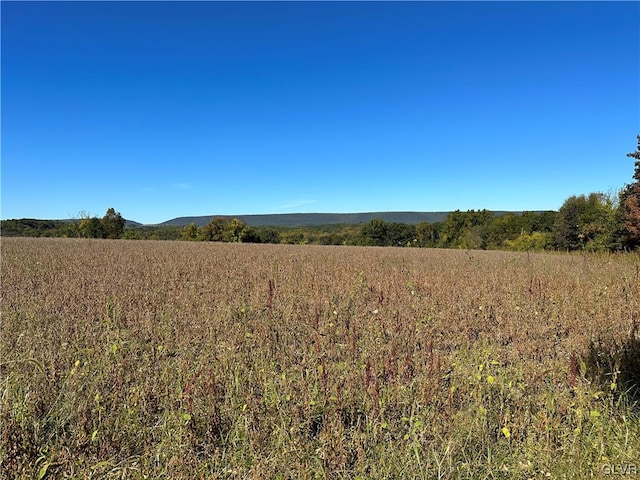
column 177, row 360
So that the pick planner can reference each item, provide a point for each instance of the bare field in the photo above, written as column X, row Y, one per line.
column 142, row 359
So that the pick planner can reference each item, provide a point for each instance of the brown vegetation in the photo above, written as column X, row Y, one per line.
column 122, row 359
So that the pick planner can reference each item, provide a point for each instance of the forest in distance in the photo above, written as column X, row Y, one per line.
column 593, row 222
column 472, row 229
column 599, row 227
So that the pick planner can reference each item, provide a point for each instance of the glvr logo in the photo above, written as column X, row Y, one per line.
column 620, row 469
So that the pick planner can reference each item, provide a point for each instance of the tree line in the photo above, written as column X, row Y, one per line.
column 593, row 222
column 111, row 225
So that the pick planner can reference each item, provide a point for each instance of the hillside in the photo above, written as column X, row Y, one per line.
column 36, row 227
column 316, row 219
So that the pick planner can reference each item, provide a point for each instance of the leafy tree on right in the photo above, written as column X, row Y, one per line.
column 630, row 204
column 587, row 222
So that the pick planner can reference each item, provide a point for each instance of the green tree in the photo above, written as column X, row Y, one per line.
column 630, row 204
column 250, row 235
column 293, row 238
column 70, row 230
column 113, row 224
column 234, row 230
column 427, row 234
column 189, row 232
column 269, row 235
column 91, row 227
column 587, row 222
column 215, row 230
column 567, row 234
column 131, row 234
column 401, row 234
column 375, row 233
column 468, row 229
column 452, row 228
column 533, row 241
column 539, row 221
column 504, row 228
column 603, row 230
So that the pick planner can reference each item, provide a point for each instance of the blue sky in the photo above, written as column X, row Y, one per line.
column 164, row 109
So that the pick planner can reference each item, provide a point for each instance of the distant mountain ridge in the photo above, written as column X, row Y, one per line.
column 295, row 219
column 317, row 219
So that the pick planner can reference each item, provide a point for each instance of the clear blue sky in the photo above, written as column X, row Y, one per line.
column 165, row 109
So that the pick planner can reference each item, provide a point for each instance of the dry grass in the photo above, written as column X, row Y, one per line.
column 124, row 359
